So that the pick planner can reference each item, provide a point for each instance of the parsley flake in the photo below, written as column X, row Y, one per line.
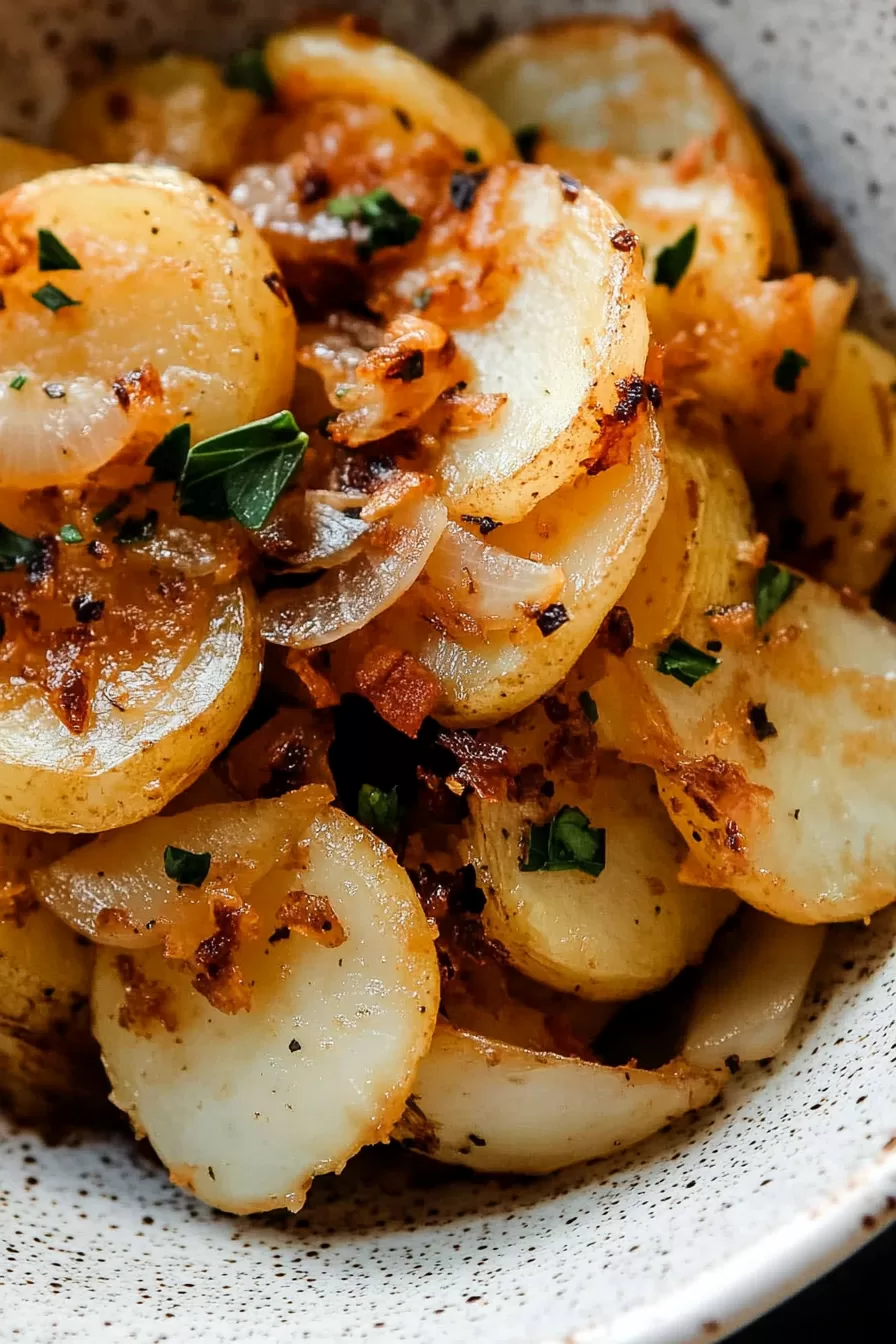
column 168, row 457
column 18, row 382
column 378, row 810
column 472, row 155
column 422, row 299
column 527, row 138
column 69, row 534
column 673, row 261
column 463, row 188
column 589, row 708
column 788, row 370
column 685, row 663
column 53, row 255
column 242, row 472
column 247, row 70
column 135, row 530
column 387, row 223
column 16, row 549
column 111, row 510
column 53, row 298
column 567, row 841
column 773, row 587
column 185, row 867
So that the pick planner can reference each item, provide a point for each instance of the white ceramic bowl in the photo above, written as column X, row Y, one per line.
column 697, row 1231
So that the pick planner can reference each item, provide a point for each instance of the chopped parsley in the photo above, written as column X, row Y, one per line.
column 464, row 186
column 168, row 457
column 788, row 370
column 673, row 261
column 16, row 549
column 773, row 587
column 567, row 841
column 111, row 510
column 472, row 155
column 185, row 867
column 53, row 255
column 527, row 138
column 685, row 663
column 589, row 708
column 247, row 70
column 53, row 298
column 18, row 382
column 387, row 223
column 238, row 474
column 422, row 299
column 69, row 534
column 377, row 809
column 135, row 530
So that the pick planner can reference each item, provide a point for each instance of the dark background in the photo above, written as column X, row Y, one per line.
column 851, row 1305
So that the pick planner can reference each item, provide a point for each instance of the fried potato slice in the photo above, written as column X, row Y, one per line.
column 621, row 934
column 323, row 61
column 246, row 1105
column 498, row 1107
column 638, row 89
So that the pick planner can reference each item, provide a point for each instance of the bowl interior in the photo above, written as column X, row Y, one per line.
column 696, row 1230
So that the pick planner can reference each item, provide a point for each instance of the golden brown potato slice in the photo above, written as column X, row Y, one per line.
column 614, row 936
column 176, row 110
column 322, row 61
column 640, row 90
column 843, row 484
column 303, row 1045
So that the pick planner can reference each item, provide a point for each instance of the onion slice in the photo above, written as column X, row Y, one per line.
column 751, row 989
column 346, row 597
column 310, row 532
column 498, row 1107
column 493, row 586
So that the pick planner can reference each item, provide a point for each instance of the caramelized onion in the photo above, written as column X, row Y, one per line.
column 490, row 584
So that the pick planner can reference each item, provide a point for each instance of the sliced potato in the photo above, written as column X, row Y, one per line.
column 245, row 1108
column 115, row 890
column 47, row 1054
column 775, row 765
column 20, row 162
column 574, row 327
column 497, row 1107
column 596, row 531
column 615, row 936
column 322, row 61
column 751, row 989
column 642, row 90
column 843, row 485
column 176, row 110
column 154, row 728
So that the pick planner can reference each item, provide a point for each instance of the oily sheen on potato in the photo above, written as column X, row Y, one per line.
column 245, row 1107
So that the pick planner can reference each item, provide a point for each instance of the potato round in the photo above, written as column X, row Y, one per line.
column 131, row 760
column 323, row 61
column 245, row 1109
column 573, row 327
column 175, row 110
column 616, row 936
column 629, row 88
column 172, row 291
column 497, row 1107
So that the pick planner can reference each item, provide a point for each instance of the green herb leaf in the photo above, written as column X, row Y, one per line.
column 53, row 298
column 241, row 472
column 18, row 382
column 472, row 155
column 788, row 370
column 773, row 587
column 527, row 138
column 169, row 456
column 52, row 255
column 111, row 510
column 589, row 708
column 673, row 261
column 247, row 70
column 685, row 663
column 378, row 810
column 567, row 841
column 16, row 549
column 69, row 534
column 185, row 867
column 135, row 530
column 422, row 299
column 388, row 222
